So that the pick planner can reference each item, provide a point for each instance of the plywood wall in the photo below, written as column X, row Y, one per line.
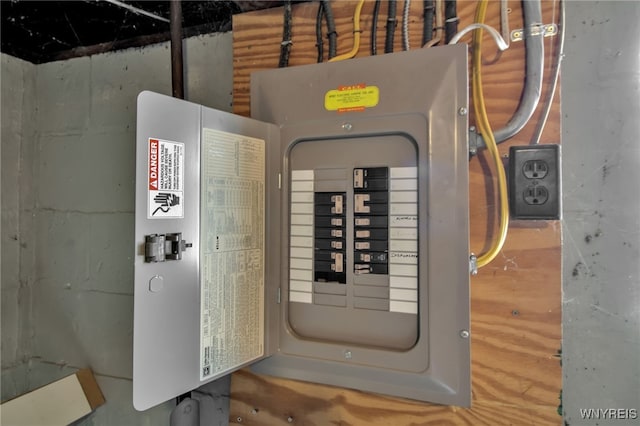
column 515, row 301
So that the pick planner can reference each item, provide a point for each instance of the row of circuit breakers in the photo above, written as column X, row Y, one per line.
column 356, row 245
column 370, row 227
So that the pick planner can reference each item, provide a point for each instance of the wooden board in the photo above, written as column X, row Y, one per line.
column 515, row 301
column 58, row 403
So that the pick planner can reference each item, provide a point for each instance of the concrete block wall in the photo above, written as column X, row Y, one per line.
column 83, row 163
column 17, row 80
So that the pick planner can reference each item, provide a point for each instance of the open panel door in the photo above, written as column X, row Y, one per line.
column 202, row 183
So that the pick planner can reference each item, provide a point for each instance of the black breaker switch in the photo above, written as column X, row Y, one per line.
column 329, row 237
column 371, row 220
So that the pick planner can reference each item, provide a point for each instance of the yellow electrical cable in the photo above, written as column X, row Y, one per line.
column 356, row 36
column 482, row 122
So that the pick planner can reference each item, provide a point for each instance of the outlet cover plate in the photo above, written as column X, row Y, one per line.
column 534, row 182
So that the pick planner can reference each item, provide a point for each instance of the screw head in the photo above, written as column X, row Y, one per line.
column 515, row 312
column 462, row 111
column 348, row 355
column 464, row 334
column 473, row 264
column 239, row 419
column 254, row 411
column 347, row 126
column 290, row 419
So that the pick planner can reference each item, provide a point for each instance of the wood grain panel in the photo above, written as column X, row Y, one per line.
column 261, row 400
column 515, row 301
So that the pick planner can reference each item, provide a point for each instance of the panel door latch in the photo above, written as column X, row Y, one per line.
column 161, row 247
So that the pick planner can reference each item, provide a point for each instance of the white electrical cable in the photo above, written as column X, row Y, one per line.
column 502, row 45
column 556, row 76
column 136, row 10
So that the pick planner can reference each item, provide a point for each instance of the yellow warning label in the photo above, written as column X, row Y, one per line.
column 356, row 97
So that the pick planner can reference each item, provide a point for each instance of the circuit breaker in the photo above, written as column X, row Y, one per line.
column 326, row 239
column 353, row 241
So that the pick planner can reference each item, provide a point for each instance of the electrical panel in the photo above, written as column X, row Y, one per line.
column 326, row 239
column 353, row 241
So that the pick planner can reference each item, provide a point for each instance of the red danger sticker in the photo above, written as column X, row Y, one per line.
column 153, row 164
column 166, row 179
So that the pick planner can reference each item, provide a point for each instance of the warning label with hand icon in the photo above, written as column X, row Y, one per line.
column 166, row 179
column 165, row 201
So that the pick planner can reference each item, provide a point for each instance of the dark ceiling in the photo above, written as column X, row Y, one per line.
column 44, row 31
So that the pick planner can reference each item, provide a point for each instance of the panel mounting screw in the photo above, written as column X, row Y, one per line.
column 462, row 111
column 464, row 334
column 239, row 419
column 473, row 264
column 254, row 411
column 347, row 126
column 348, row 355
column 290, row 419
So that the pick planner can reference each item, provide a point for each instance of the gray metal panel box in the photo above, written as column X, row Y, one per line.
column 363, row 235
column 402, row 110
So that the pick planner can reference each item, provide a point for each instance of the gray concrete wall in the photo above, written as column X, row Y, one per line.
column 17, row 122
column 83, row 162
column 601, row 173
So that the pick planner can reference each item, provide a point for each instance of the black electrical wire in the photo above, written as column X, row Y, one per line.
column 391, row 27
column 450, row 20
column 331, row 29
column 374, row 28
column 285, row 46
column 427, row 30
column 177, row 66
column 319, row 40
